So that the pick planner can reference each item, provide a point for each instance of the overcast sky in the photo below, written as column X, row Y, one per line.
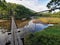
column 36, row 5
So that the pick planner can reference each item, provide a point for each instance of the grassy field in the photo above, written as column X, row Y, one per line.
column 48, row 20
column 7, row 23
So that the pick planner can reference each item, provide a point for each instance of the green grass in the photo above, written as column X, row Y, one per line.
column 55, row 30
column 48, row 36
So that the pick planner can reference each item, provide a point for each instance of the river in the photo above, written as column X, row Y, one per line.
column 30, row 27
column 34, row 27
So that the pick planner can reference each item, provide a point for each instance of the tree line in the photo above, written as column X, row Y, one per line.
column 19, row 11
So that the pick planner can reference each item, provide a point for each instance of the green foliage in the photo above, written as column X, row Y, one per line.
column 48, row 14
column 49, row 36
column 23, row 12
column 17, row 10
column 54, row 4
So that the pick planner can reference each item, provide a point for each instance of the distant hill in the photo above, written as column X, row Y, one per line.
column 19, row 11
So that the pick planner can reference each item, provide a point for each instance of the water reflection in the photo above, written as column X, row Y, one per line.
column 33, row 27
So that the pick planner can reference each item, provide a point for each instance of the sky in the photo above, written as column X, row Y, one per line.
column 36, row 5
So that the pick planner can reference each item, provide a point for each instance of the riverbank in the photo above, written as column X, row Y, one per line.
column 47, row 20
column 48, row 36
column 7, row 23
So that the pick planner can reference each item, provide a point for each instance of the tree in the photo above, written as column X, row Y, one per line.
column 19, row 11
column 54, row 4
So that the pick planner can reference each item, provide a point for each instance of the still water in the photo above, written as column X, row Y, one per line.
column 34, row 27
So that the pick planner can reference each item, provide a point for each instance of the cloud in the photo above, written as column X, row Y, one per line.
column 31, row 4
